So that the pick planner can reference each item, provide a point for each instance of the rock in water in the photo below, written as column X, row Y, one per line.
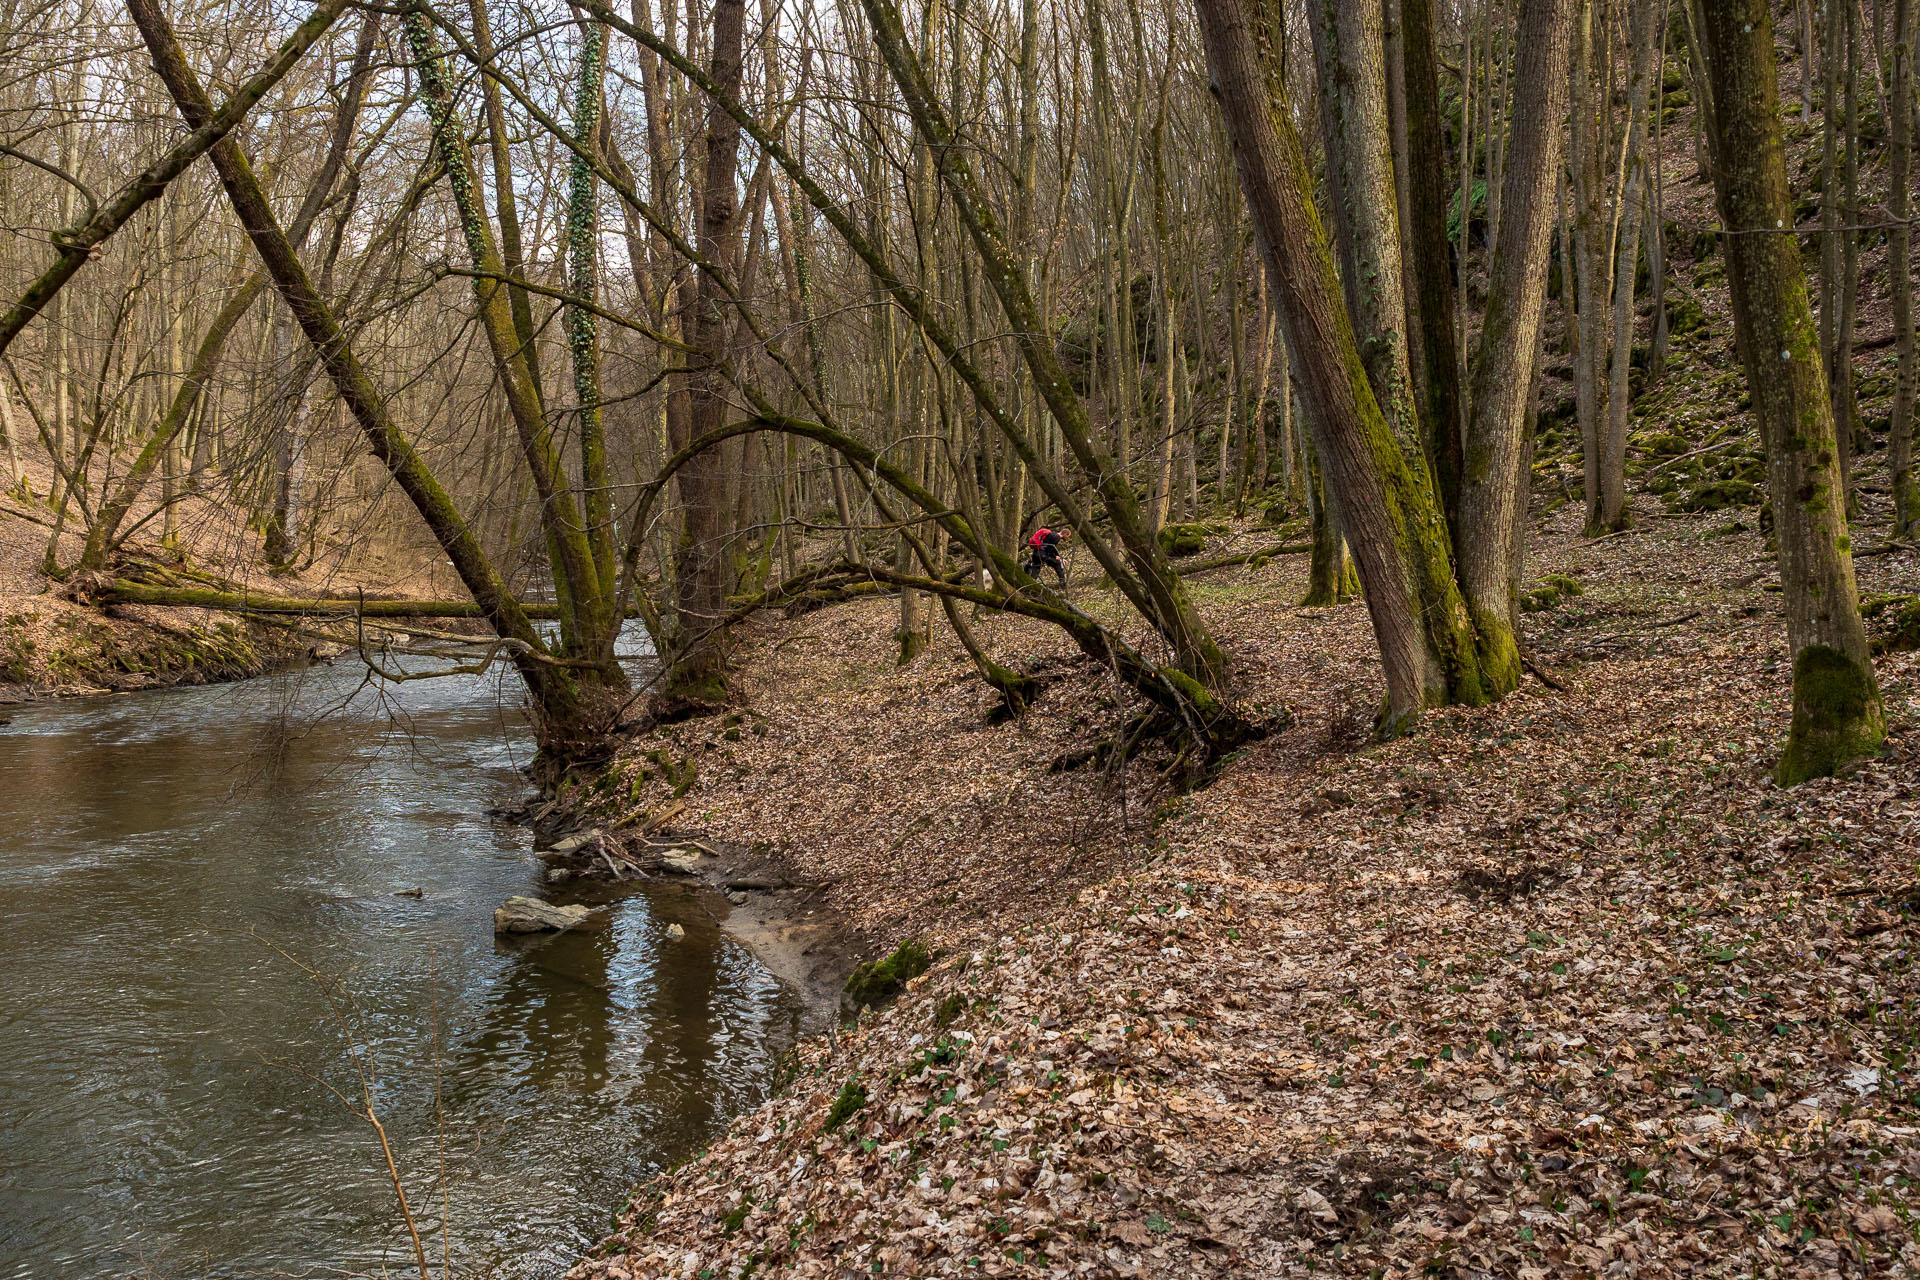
column 675, row 933
column 530, row 915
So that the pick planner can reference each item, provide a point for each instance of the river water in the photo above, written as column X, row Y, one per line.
column 186, row 878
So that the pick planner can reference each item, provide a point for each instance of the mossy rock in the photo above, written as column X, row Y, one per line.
column 1276, row 512
column 1664, row 444
column 1704, row 242
column 1899, row 619
column 1685, row 314
column 1722, row 494
column 1553, row 588
column 1180, row 540
column 878, row 981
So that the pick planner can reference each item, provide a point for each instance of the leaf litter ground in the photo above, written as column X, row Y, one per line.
column 1563, row 986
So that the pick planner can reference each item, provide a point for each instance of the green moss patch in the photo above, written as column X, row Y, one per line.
column 853, row 1096
column 1718, row 495
column 1179, row 540
column 1553, row 589
column 1898, row 619
column 878, row 981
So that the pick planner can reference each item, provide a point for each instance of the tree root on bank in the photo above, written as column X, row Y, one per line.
column 1195, row 758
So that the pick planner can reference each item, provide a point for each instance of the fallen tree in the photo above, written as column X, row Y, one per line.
column 121, row 591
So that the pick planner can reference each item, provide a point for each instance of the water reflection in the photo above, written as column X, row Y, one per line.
column 161, row 1109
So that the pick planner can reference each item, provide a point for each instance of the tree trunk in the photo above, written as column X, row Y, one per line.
column 1838, row 716
column 1906, row 484
column 700, row 648
column 1840, row 368
column 1443, row 414
column 1496, row 479
column 1592, row 282
column 1613, row 513
column 1394, row 523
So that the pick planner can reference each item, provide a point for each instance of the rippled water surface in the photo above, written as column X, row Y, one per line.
column 165, row 1069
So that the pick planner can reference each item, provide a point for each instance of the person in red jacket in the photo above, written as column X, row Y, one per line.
column 1044, row 552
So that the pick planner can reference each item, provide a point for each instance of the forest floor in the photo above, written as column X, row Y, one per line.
column 1561, row 986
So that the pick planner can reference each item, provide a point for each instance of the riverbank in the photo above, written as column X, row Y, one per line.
column 1560, row 986
column 55, row 643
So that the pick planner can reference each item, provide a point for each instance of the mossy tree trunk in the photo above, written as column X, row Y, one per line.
column 1330, row 574
column 1837, row 712
column 1442, row 410
column 1349, row 50
column 1497, row 463
column 1392, row 517
column 583, row 335
column 571, row 702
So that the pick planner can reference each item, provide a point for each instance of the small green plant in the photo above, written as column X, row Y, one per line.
column 853, row 1096
column 949, row 1009
column 878, row 981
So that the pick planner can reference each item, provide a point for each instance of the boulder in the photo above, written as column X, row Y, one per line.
column 681, row 862
column 676, row 933
column 530, row 915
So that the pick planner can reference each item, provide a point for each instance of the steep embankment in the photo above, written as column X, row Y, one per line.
column 1561, row 986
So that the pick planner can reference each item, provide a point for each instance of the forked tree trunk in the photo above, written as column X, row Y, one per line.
column 1838, row 716
column 1393, row 519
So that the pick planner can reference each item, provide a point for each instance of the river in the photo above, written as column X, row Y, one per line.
column 171, row 865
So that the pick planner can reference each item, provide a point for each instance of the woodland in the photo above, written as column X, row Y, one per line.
column 1485, row 435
